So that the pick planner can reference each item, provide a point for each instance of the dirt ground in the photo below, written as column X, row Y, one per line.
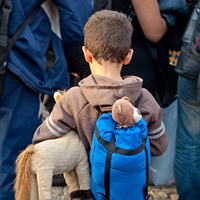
column 163, row 192
column 156, row 193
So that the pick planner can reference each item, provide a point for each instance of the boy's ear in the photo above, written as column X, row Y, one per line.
column 128, row 57
column 87, row 54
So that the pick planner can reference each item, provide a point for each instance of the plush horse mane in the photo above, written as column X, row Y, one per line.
column 22, row 182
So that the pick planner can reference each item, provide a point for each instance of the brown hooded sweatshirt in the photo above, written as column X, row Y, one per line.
column 76, row 110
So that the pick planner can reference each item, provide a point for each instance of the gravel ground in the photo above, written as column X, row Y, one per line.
column 156, row 193
column 163, row 192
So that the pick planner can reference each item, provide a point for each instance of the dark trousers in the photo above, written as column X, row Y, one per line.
column 19, row 118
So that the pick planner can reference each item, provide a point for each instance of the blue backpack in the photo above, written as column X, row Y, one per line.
column 120, row 160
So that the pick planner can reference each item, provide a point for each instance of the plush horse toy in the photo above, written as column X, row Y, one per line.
column 37, row 164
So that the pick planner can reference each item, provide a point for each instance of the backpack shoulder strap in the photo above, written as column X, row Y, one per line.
column 99, row 110
column 6, row 7
column 21, row 28
column 137, row 102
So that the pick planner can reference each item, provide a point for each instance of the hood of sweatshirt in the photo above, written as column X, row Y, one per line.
column 103, row 91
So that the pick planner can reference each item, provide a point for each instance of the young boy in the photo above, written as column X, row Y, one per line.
column 106, row 48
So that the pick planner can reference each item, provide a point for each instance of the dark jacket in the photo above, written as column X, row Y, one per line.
column 28, row 58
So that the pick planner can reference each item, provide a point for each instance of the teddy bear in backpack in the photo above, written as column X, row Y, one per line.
column 120, row 154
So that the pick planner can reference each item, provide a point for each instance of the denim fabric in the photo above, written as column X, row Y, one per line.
column 187, row 157
column 19, row 119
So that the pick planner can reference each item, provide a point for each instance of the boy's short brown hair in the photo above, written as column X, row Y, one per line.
column 108, row 36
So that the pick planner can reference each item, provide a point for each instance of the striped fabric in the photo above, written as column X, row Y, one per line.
column 54, row 129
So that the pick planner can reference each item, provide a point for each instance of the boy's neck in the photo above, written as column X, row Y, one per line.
column 107, row 69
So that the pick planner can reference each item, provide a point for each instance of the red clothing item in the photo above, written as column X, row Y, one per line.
column 76, row 110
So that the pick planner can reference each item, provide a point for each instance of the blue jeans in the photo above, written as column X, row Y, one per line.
column 187, row 157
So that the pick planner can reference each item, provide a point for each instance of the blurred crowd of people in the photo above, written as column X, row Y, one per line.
column 55, row 35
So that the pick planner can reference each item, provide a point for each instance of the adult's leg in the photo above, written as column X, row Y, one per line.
column 187, row 157
column 19, row 118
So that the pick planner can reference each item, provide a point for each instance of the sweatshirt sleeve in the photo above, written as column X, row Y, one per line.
column 60, row 121
column 152, row 114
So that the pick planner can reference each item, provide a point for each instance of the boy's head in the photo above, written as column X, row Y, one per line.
column 108, row 36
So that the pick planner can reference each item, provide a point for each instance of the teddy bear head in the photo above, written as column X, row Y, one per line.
column 124, row 113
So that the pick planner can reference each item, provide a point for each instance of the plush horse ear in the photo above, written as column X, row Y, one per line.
column 57, row 96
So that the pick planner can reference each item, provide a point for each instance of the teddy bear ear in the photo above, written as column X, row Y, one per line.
column 126, row 98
